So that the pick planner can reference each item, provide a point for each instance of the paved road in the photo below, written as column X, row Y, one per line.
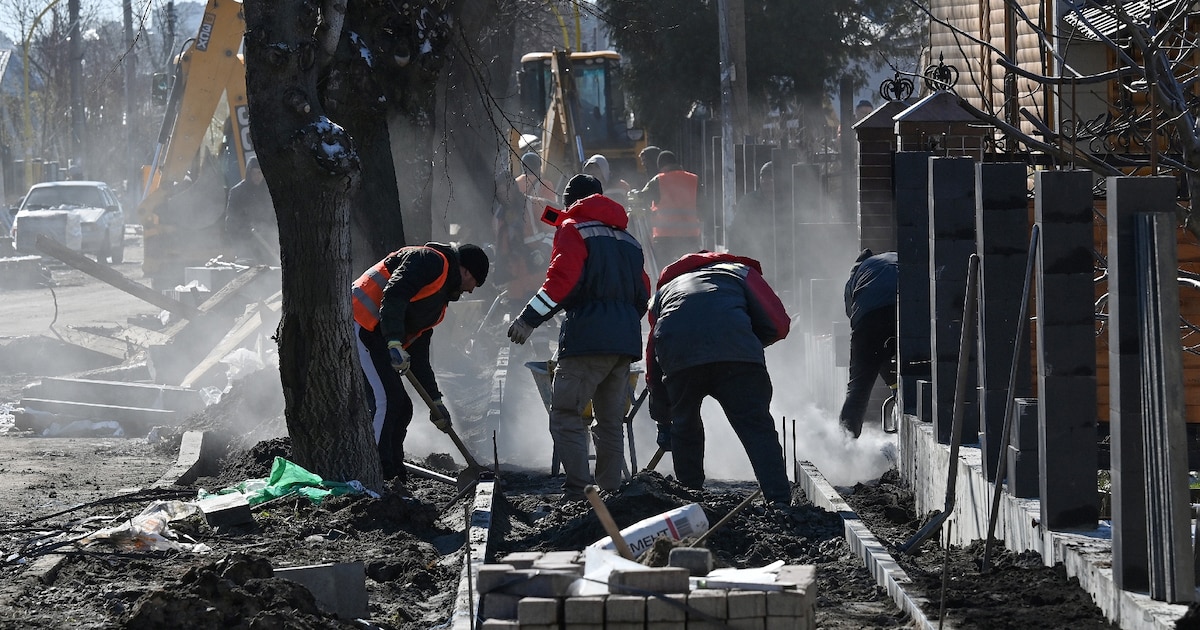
column 76, row 299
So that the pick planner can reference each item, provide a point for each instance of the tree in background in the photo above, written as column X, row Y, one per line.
column 795, row 52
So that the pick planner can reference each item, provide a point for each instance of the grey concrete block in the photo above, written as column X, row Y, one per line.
column 798, row 602
column 584, row 610
column 537, row 583
column 1067, row 438
column 786, row 623
column 1063, row 196
column 522, row 559
column 339, row 588
column 539, row 611
column 1024, row 424
column 1069, row 300
column 697, row 560
column 911, row 169
column 499, row 624
column 1066, row 351
column 230, row 513
column 645, row 582
column 756, row 623
column 559, row 567
column 560, row 556
column 746, row 604
column 499, row 606
column 709, row 601
column 624, row 609
column 493, row 576
column 668, row 608
column 1022, row 473
column 665, row 625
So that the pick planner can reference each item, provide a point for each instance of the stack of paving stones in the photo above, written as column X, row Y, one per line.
column 531, row 591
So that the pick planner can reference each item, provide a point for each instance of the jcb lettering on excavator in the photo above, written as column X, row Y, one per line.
column 205, row 34
column 242, row 114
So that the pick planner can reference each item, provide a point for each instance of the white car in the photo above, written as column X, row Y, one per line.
column 83, row 215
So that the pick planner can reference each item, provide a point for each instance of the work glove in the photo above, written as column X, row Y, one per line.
column 519, row 331
column 664, row 437
column 399, row 357
column 439, row 415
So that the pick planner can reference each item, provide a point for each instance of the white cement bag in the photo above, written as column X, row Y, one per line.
column 682, row 522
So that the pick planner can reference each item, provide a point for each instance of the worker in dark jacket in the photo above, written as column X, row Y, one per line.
column 709, row 321
column 251, row 229
column 596, row 275
column 396, row 305
column 871, row 306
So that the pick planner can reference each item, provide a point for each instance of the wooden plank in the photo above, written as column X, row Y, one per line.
column 97, row 343
column 113, row 277
column 220, row 297
column 247, row 325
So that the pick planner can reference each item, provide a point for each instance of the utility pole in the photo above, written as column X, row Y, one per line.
column 130, row 66
column 75, row 54
column 727, row 175
column 737, row 42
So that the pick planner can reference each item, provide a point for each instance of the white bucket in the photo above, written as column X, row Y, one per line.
column 682, row 522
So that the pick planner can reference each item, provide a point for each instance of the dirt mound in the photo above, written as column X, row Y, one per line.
column 1018, row 592
column 237, row 591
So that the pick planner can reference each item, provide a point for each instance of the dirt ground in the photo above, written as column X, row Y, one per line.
column 410, row 540
column 411, row 544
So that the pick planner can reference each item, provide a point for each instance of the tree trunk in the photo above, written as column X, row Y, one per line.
column 313, row 172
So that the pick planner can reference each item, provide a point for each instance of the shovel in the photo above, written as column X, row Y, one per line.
column 471, row 473
column 960, row 391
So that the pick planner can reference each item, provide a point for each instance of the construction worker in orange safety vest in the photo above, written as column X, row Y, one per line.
column 397, row 302
column 674, row 219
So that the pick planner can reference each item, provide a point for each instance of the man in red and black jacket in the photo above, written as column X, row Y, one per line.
column 596, row 275
column 397, row 303
column 709, row 321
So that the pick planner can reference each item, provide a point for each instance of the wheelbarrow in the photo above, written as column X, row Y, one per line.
column 543, row 377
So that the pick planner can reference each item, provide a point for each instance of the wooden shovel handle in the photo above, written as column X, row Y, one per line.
column 606, row 519
column 433, row 408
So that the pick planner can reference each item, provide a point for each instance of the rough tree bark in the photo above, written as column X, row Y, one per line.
column 313, row 171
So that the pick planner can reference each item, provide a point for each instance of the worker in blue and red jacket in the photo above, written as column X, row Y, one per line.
column 596, row 275
column 711, row 318
column 397, row 303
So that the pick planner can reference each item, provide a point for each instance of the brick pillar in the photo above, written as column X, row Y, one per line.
column 951, row 243
column 1066, row 342
column 912, row 258
column 1002, row 240
column 1128, row 196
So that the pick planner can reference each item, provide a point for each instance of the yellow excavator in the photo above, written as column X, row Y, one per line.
column 206, row 120
column 578, row 108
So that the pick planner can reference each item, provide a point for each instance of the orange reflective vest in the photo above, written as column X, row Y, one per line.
column 367, row 293
column 674, row 212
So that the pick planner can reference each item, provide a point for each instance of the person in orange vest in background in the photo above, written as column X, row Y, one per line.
column 397, row 303
column 522, row 240
column 674, row 219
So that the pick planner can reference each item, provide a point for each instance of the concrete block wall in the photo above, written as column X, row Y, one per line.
column 533, row 599
column 1066, row 342
column 911, row 182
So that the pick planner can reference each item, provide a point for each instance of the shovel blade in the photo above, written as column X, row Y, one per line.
column 925, row 532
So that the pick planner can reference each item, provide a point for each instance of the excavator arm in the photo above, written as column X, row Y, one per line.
column 178, row 196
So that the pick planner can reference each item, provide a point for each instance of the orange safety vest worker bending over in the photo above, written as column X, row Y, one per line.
column 397, row 302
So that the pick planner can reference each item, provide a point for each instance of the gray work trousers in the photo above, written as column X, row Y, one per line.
column 604, row 380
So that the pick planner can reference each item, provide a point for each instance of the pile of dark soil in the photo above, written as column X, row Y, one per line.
column 1019, row 591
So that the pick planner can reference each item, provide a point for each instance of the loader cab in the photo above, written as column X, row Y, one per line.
column 604, row 124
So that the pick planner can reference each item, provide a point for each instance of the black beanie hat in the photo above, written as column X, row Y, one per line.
column 475, row 260
column 580, row 186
